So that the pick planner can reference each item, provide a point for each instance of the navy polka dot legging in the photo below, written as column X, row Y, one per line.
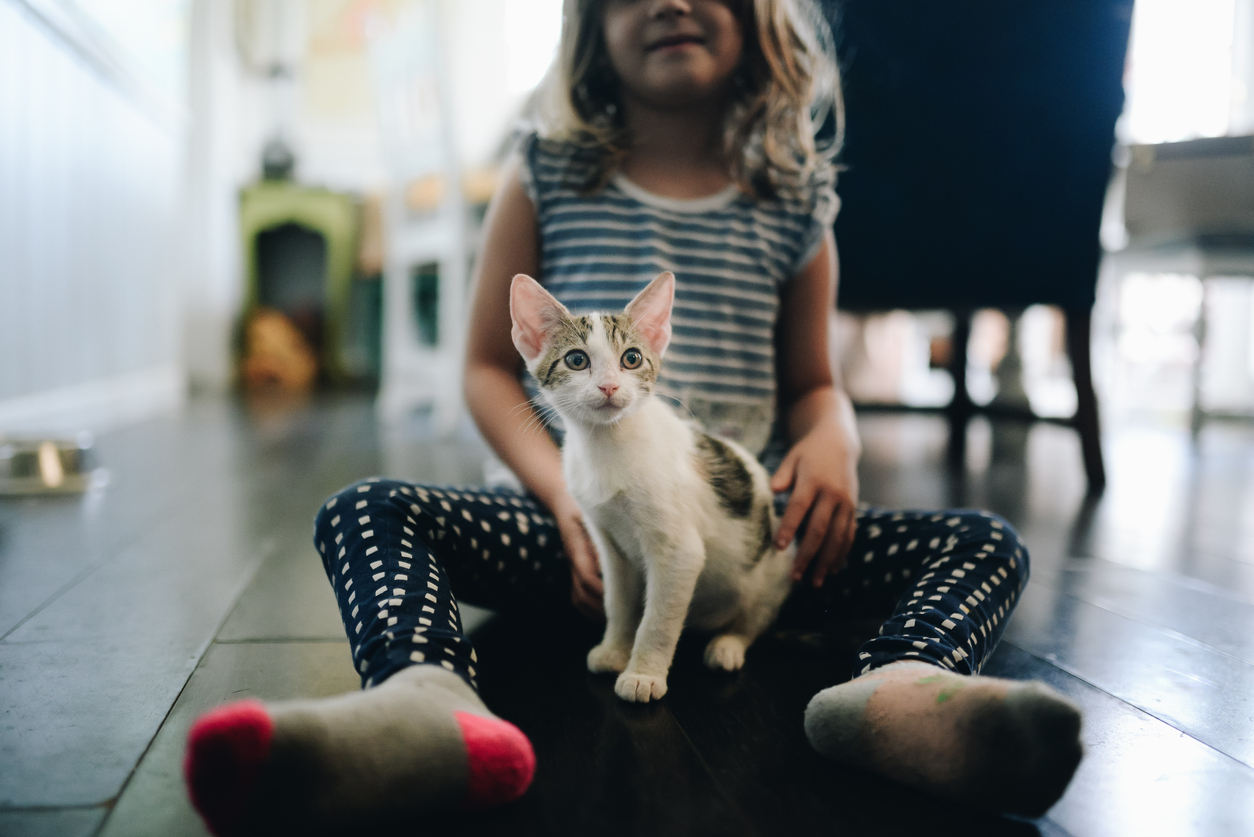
column 397, row 554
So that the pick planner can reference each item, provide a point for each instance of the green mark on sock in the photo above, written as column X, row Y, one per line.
column 946, row 694
column 931, row 678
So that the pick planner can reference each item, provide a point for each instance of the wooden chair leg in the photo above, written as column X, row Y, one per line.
column 1079, row 337
column 961, row 407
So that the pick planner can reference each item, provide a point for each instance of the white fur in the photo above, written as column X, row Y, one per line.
column 670, row 553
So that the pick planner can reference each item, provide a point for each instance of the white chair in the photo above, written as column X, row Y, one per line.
column 420, row 150
column 1189, row 209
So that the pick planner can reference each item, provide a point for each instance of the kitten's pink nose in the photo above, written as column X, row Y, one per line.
column 608, row 389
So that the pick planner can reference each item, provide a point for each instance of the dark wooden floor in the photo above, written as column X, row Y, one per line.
column 190, row 580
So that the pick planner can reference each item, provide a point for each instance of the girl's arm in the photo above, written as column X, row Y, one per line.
column 496, row 398
column 821, row 466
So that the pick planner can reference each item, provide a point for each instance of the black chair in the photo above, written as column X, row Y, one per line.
column 977, row 152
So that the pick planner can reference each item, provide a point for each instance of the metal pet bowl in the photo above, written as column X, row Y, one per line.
column 48, row 466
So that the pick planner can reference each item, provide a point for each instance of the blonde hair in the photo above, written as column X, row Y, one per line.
column 786, row 85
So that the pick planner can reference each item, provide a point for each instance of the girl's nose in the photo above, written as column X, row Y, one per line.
column 608, row 388
column 663, row 8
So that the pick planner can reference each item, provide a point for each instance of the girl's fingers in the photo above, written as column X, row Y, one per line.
column 798, row 568
column 590, row 567
column 585, row 607
column 584, row 565
column 817, row 528
column 849, row 528
column 586, row 603
column 586, row 589
column 592, row 586
column 798, row 505
column 588, row 579
column 827, row 556
column 784, row 476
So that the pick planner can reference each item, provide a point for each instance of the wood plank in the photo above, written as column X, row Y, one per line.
column 65, row 822
column 1199, row 611
column 1201, row 692
column 288, row 599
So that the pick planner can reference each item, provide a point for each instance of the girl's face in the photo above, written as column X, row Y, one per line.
column 672, row 53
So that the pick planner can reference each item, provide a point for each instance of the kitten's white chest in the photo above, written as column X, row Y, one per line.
column 647, row 458
column 594, row 474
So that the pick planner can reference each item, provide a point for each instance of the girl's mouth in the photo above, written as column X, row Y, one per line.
column 671, row 41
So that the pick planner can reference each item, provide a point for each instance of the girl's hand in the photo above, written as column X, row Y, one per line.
column 586, row 587
column 824, row 482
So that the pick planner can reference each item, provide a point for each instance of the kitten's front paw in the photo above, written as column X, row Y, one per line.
column 726, row 652
column 640, row 688
column 608, row 658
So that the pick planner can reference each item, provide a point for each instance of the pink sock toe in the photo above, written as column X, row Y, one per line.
column 501, row 760
column 225, row 751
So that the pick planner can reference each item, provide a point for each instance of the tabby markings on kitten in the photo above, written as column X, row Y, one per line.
column 733, row 484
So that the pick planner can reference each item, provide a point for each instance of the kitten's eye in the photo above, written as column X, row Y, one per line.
column 577, row 360
column 632, row 358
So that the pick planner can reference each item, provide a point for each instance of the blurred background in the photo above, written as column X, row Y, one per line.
column 283, row 195
column 236, row 238
column 203, row 195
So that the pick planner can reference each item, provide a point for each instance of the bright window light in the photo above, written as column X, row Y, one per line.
column 1179, row 79
column 1160, row 302
column 532, row 30
column 1157, row 313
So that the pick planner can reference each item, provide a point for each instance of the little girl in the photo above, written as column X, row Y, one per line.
column 677, row 136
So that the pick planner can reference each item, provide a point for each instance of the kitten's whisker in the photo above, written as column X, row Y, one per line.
column 675, row 402
column 537, row 412
column 530, row 425
column 546, row 415
column 542, row 416
column 526, row 405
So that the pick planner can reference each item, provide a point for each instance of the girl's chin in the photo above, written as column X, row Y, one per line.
column 678, row 86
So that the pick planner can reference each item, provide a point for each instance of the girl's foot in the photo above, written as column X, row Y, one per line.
column 419, row 741
column 996, row 744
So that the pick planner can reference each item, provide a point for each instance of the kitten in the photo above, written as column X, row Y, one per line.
column 683, row 522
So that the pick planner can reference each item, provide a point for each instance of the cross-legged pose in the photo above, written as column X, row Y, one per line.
column 675, row 135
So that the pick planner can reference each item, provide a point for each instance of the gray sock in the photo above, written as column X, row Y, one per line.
column 986, row 742
column 423, row 740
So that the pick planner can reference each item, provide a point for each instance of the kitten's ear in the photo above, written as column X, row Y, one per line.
column 650, row 311
column 535, row 314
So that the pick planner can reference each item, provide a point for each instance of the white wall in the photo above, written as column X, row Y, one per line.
column 214, row 171
column 90, row 169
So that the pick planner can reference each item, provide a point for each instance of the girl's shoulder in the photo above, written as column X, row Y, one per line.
column 810, row 205
column 813, row 195
column 549, row 165
column 552, row 151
